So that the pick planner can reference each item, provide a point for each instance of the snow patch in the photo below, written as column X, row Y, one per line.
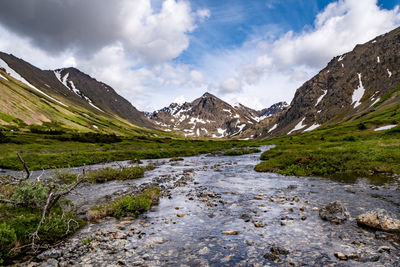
column 273, row 128
column 298, row 126
column 64, row 80
column 237, row 116
column 195, row 120
column 376, row 101
column 378, row 60
column 198, row 132
column 312, row 127
column 358, row 93
column 16, row 75
column 227, row 110
column 341, row 58
column 1, row 76
column 342, row 65
column 387, row 127
column 374, row 41
column 389, row 73
column 95, row 126
column 320, row 98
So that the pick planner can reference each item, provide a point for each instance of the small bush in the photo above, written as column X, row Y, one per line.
column 3, row 138
column 239, row 152
column 31, row 194
column 65, row 176
column 149, row 167
column 176, row 159
column 361, row 126
column 349, row 138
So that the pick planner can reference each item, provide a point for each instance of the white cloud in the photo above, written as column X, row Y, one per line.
column 268, row 71
column 203, row 14
column 157, row 37
column 231, row 85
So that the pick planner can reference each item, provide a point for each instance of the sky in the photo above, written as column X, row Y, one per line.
column 155, row 52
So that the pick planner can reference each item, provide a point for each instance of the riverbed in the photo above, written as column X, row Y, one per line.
column 216, row 210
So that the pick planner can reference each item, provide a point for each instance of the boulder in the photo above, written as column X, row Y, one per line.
column 334, row 212
column 379, row 219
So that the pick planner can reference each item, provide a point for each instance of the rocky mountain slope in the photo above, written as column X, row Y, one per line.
column 209, row 116
column 69, row 87
column 350, row 85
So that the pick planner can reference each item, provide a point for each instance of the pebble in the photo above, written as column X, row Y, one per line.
column 228, row 232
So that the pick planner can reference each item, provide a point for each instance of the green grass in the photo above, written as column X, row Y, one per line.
column 345, row 151
column 387, row 96
column 109, row 174
column 239, row 152
column 128, row 205
column 43, row 151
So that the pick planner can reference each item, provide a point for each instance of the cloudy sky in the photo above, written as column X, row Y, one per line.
column 154, row 52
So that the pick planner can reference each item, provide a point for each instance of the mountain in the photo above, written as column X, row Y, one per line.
column 65, row 96
column 351, row 85
column 209, row 116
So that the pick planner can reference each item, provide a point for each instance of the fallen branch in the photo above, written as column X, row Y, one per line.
column 28, row 173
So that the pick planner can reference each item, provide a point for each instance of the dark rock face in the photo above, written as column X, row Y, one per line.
column 334, row 212
column 83, row 91
column 379, row 219
column 210, row 116
column 348, row 86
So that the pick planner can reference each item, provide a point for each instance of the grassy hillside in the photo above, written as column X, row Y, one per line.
column 345, row 151
column 22, row 106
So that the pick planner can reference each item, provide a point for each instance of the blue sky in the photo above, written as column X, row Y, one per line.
column 154, row 52
column 232, row 22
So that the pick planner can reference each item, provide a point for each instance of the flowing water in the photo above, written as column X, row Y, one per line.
column 217, row 211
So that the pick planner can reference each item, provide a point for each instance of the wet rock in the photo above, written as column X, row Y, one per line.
column 334, row 212
column 379, row 219
column 276, row 250
column 384, row 249
column 259, row 224
column 303, row 218
column 204, row 251
column 387, row 236
column 259, row 197
column 271, row 257
column 228, row 232
column 51, row 253
column 341, row 256
column 180, row 214
column 245, row 217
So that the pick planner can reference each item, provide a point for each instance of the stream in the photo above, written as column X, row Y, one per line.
column 216, row 210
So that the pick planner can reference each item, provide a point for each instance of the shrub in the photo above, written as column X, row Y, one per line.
column 31, row 194
column 3, row 138
column 361, row 126
column 110, row 174
column 239, row 152
column 8, row 239
column 176, row 159
column 65, row 176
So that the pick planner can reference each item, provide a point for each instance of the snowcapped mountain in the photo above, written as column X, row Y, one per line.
column 208, row 116
column 349, row 86
column 70, row 87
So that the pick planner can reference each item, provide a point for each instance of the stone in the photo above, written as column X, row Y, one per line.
column 278, row 250
column 384, row 249
column 334, row 212
column 271, row 257
column 379, row 219
column 180, row 214
column 341, row 256
column 258, row 224
column 227, row 232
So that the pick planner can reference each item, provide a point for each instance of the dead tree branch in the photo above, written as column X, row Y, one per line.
column 28, row 173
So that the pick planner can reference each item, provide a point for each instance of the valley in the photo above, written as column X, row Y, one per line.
column 88, row 179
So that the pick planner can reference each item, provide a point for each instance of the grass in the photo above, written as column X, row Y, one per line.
column 239, row 152
column 43, row 151
column 345, row 151
column 129, row 205
column 109, row 174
